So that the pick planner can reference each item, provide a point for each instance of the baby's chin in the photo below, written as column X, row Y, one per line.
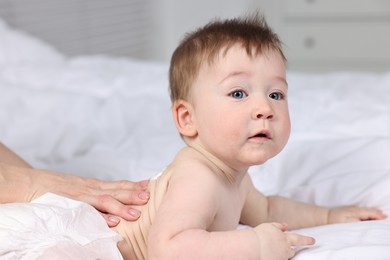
column 262, row 157
column 257, row 162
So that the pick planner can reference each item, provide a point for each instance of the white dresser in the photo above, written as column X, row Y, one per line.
column 328, row 35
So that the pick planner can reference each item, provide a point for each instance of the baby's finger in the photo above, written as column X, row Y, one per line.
column 371, row 214
column 292, row 253
column 282, row 226
column 299, row 240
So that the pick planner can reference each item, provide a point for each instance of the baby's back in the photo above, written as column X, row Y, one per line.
column 135, row 233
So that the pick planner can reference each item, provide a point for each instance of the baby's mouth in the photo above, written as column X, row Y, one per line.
column 262, row 134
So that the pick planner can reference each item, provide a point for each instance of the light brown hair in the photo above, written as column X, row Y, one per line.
column 204, row 44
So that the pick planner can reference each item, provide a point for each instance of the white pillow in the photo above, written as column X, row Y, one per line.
column 20, row 48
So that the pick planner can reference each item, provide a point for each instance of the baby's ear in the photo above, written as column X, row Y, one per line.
column 183, row 116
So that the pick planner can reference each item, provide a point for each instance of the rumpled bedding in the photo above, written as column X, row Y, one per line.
column 110, row 118
column 55, row 227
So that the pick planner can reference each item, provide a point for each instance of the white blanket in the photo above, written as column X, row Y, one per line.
column 55, row 227
column 110, row 118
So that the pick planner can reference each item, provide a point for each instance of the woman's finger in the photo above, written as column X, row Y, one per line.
column 127, row 197
column 112, row 221
column 110, row 205
column 120, row 185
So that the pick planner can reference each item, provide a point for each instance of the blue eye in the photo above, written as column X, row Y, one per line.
column 276, row 95
column 238, row 94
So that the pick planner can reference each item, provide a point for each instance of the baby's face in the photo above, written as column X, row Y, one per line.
column 240, row 107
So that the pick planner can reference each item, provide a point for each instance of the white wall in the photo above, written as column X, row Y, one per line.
column 146, row 29
column 319, row 35
column 114, row 27
column 173, row 18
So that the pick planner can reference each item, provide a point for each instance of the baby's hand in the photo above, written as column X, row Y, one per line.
column 352, row 214
column 275, row 244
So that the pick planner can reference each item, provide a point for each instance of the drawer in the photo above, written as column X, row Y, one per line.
column 331, row 8
column 343, row 41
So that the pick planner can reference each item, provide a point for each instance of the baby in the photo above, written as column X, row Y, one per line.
column 229, row 103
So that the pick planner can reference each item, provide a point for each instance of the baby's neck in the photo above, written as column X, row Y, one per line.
column 232, row 175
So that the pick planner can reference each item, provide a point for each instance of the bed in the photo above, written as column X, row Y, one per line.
column 109, row 118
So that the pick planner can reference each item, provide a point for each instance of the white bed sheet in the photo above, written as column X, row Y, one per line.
column 110, row 118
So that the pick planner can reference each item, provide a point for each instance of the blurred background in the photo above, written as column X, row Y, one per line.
column 319, row 35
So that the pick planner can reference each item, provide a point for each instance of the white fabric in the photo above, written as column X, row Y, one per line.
column 13, row 48
column 55, row 227
column 110, row 118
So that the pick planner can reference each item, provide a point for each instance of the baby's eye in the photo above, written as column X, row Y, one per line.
column 276, row 95
column 238, row 94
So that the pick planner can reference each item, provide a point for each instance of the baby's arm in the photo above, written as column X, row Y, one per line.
column 185, row 216
column 302, row 215
column 352, row 214
column 259, row 209
column 188, row 225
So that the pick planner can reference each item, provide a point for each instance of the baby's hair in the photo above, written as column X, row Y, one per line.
column 206, row 43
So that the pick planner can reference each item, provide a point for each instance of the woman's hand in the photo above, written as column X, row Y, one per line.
column 112, row 198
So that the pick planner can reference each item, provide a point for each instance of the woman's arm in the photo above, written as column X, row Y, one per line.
column 21, row 183
column 9, row 157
